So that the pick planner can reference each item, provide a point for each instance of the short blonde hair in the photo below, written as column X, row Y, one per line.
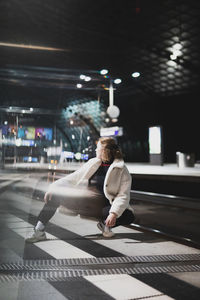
column 110, row 149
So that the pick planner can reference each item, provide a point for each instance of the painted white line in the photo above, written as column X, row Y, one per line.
column 122, row 286
column 54, row 247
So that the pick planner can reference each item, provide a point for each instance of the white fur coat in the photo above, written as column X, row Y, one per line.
column 117, row 183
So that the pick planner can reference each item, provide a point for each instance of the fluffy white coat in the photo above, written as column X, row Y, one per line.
column 117, row 183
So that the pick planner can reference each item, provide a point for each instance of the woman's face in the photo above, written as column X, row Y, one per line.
column 99, row 150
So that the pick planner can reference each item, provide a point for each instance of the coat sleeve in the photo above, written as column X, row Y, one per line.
column 121, row 200
column 71, row 179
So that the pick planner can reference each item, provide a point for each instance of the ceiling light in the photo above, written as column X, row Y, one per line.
column 135, row 74
column 172, row 63
column 82, row 76
column 177, row 46
column 117, row 81
column 114, row 120
column 104, row 72
column 177, row 52
column 79, row 85
column 173, row 57
column 31, row 47
column 87, row 78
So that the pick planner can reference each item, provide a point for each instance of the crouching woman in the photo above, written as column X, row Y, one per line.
column 109, row 176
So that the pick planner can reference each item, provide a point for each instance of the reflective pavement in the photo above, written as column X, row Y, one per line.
column 76, row 262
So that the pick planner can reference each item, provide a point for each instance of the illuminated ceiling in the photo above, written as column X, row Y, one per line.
column 46, row 45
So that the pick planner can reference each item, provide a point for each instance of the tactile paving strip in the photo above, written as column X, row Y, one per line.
column 64, row 275
column 63, row 263
column 63, row 269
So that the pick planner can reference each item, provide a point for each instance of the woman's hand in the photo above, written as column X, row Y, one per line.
column 47, row 197
column 111, row 220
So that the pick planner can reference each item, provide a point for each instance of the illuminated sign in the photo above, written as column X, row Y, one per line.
column 68, row 154
column 84, row 156
column 111, row 131
column 155, row 140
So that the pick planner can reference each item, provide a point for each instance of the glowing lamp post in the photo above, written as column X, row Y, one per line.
column 113, row 111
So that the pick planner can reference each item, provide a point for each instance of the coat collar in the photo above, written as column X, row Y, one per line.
column 118, row 163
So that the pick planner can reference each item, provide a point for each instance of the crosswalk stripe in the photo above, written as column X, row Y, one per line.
column 117, row 286
column 113, row 285
column 54, row 247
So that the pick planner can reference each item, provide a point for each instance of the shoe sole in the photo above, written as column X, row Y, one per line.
column 108, row 234
column 35, row 241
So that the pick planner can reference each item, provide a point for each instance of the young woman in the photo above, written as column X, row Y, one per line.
column 106, row 172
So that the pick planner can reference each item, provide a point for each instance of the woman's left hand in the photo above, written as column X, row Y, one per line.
column 111, row 220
